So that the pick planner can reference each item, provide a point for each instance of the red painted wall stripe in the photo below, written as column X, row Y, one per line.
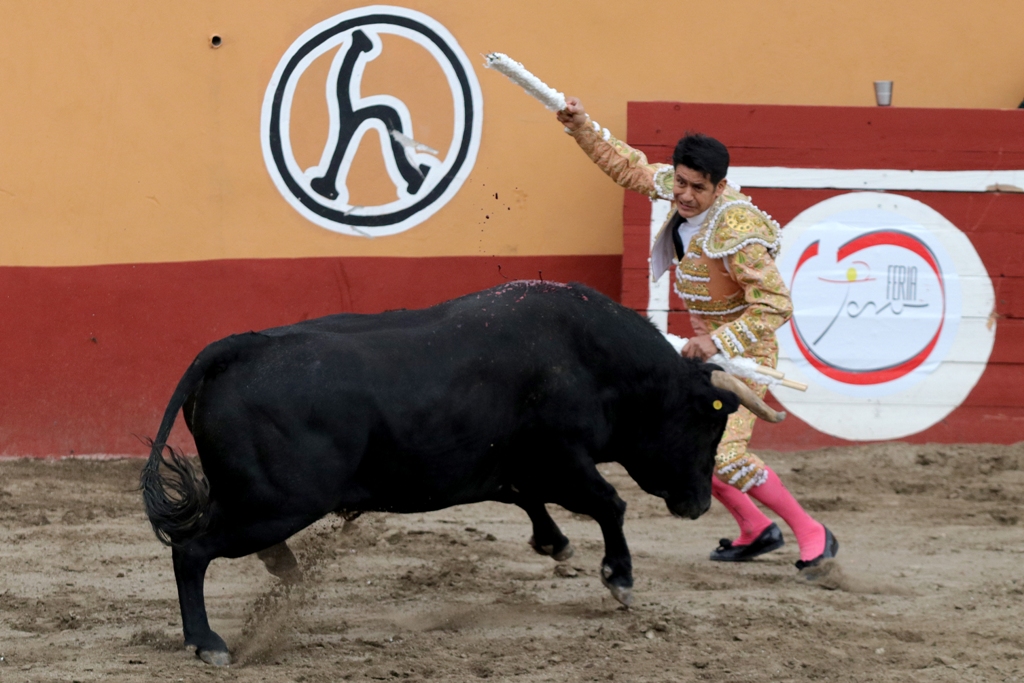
column 92, row 354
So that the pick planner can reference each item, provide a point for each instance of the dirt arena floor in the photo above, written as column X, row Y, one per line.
column 928, row 586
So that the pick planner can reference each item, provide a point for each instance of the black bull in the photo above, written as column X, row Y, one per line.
column 514, row 394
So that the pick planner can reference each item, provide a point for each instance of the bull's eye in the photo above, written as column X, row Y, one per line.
column 717, row 404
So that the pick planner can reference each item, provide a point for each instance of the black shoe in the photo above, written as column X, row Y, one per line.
column 769, row 540
column 831, row 549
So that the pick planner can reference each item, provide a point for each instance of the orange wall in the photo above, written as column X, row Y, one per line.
column 124, row 138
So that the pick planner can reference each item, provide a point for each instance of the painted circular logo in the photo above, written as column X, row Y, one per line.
column 891, row 324
column 420, row 178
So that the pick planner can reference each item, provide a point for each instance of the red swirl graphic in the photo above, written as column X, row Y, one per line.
column 890, row 373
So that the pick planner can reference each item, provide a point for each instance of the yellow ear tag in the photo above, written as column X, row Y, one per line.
column 717, row 404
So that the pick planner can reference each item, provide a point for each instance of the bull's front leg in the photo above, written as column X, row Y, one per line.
column 584, row 491
column 617, row 565
column 547, row 538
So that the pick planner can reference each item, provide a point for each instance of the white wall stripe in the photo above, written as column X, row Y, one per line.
column 659, row 292
column 877, row 179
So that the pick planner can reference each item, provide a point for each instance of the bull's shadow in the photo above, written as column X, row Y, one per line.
column 513, row 394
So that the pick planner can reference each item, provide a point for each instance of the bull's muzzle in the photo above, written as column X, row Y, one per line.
column 689, row 508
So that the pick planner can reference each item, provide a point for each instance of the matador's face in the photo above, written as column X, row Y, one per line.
column 694, row 192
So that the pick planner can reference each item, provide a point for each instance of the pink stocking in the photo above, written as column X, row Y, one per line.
column 751, row 520
column 809, row 533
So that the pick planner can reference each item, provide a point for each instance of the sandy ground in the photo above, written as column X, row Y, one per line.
column 928, row 586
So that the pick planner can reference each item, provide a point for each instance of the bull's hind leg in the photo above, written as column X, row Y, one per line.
column 221, row 540
column 190, row 564
column 280, row 561
column 547, row 538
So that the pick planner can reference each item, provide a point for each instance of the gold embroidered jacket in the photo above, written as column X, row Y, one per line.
column 728, row 276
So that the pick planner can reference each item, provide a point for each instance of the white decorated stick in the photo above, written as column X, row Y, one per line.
column 534, row 87
column 742, row 367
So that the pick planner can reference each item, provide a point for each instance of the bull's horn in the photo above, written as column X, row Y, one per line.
column 748, row 398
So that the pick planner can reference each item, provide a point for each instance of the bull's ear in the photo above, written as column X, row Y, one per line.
column 712, row 401
column 729, row 401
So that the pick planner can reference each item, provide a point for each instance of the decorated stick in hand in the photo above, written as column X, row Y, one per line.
column 534, row 87
column 743, row 367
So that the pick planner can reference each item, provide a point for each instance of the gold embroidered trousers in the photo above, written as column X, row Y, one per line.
column 734, row 463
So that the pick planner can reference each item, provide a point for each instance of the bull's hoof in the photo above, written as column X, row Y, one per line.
column 289, row 575
column 624, row 594
column 280, row 562
column 565, row 553
column 561, row 555
column 215, row 657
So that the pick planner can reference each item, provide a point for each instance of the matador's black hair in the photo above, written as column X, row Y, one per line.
column 703, row 154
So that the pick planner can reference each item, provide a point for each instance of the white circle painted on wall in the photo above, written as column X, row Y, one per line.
column 892, row 323
column 424, row 179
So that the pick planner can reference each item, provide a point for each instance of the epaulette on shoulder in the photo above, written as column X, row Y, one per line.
column 738, row 223
column 664, row 179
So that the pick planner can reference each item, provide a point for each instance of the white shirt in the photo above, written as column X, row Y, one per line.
column 689, row 227
column 663, row 253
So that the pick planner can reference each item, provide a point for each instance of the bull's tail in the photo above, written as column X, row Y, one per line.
column 178, row 506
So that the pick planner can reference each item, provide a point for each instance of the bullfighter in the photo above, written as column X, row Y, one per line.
column 723, row 248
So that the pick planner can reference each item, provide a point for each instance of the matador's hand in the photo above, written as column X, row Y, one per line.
column 574, row 115
column 700, row 347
